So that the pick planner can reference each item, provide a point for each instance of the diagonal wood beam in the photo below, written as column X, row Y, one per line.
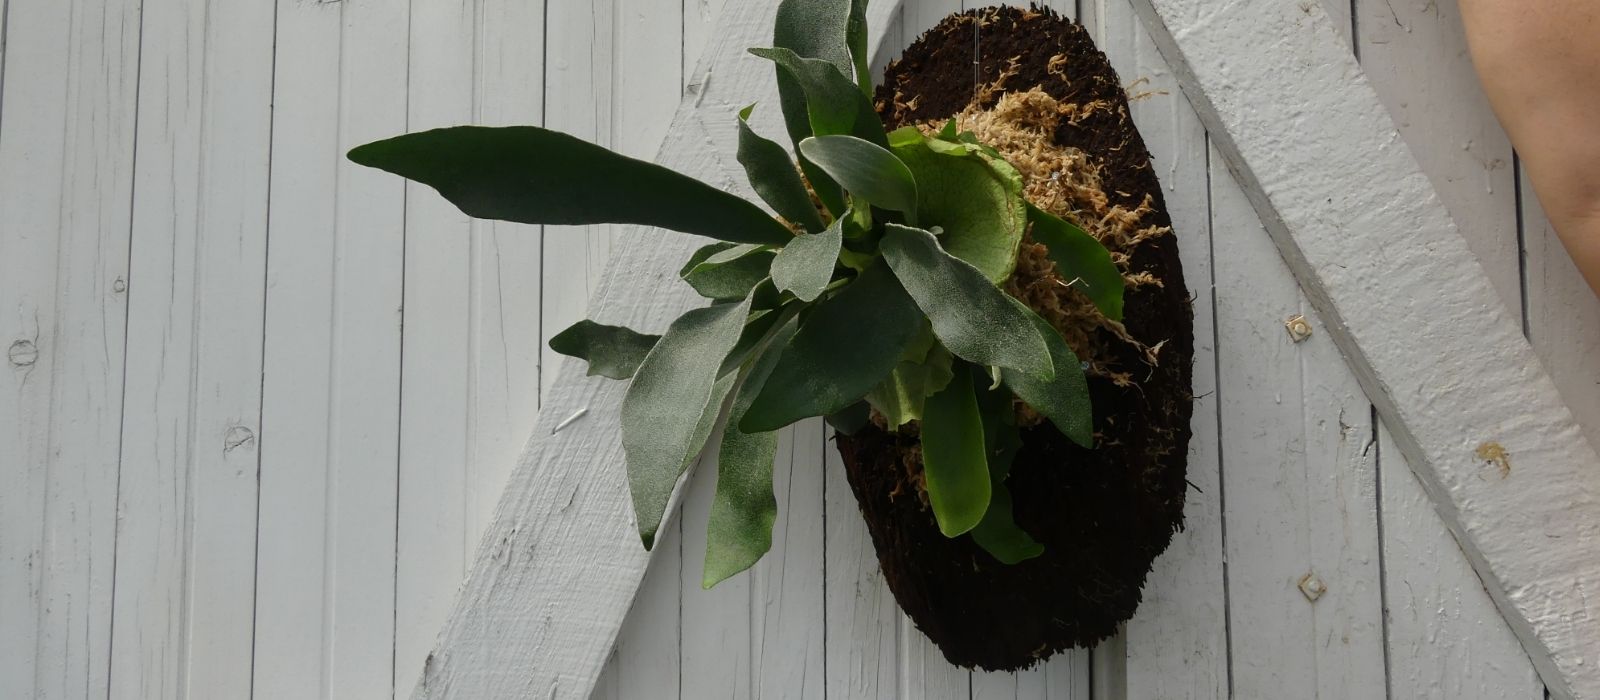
column 1496, row 449
column 558, row 568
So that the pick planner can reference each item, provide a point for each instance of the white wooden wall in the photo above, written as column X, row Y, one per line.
column 258, row 403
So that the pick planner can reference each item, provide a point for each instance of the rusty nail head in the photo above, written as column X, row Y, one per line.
column 1312, row 587
column 1299, row 328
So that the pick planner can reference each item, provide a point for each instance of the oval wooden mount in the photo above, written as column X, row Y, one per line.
column 1103, row 515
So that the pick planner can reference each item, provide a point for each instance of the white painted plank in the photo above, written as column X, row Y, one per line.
column 1176, row 644
column 863, row 620
column 1300, row 481
column 1446, row 639
column 578, row 99
column 185, row 581
column 569, row 487
column 1442, row 372
column 1563, row 316
column 330, row 425
column 433, row 544
column 66, row 162
column 788, row 612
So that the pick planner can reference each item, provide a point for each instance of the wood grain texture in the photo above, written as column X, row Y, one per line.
column 191, row 416
column 66, row 180
column 1442, row 411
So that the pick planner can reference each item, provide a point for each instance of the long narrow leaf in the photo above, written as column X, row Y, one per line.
column 998, row 532
column 848, row 344
column 773, row 176
column 611, row 351
column 537, row 176
column 1064, row 399
column 865, row 169
column 833, row 103
column 971, row 316
column 810, row 29
column 856, row 38
column 672, row 403
column 805, row 266
column 742, row 513
column 1080, row 259
column 954, row 464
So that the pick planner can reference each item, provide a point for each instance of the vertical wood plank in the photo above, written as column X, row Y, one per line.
column 862, row 639
column 787, row 606
column 1301, row 493
column 325, row 605
column 185, row 583
column 1563, row 316
column 580, row 66
column 436, row 417
column 66, row 165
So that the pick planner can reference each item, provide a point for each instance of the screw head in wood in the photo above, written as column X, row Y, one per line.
column 1299, row 328
column 22, row 353
column 1312, row 587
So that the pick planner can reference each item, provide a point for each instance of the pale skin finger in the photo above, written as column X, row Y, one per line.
column 1539, row 61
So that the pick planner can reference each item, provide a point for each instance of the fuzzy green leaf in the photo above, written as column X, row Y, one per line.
column 810, row 29
column 865, row 169
column 1064, row 399
column 805, row 266
column 537, row 176
column 848, row 344
column 773, row 176
column 856, row 38
column 833, row 104
column 672, row 404
column 998, row 532
column 1081, row 259
column 953, row 456
column 971, row 316
column 977, row 200
column 730, row 273
column 742, row 513
column 611, row 351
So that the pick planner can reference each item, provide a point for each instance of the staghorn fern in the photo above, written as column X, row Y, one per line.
column 888, row 300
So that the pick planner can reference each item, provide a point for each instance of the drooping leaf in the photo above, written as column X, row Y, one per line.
column 742, row 513
column 954, row 462
column 670, row 407
column 924, row 369
column 731, row 273
column 833, row 104
column 971, row 316
column 866, row 170
column 856, row 38
column 848, row 344
column 773, row 176
column 611, row 351
column 851, row 419
column 998, row 532
column 702, row 254
column 1080, row 259
column 536, row 176
column 805, row 266
column 1064, row 399
column 977, row 200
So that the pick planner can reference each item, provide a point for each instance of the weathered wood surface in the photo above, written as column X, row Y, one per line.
column 1294, row 118
column 398, row 374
